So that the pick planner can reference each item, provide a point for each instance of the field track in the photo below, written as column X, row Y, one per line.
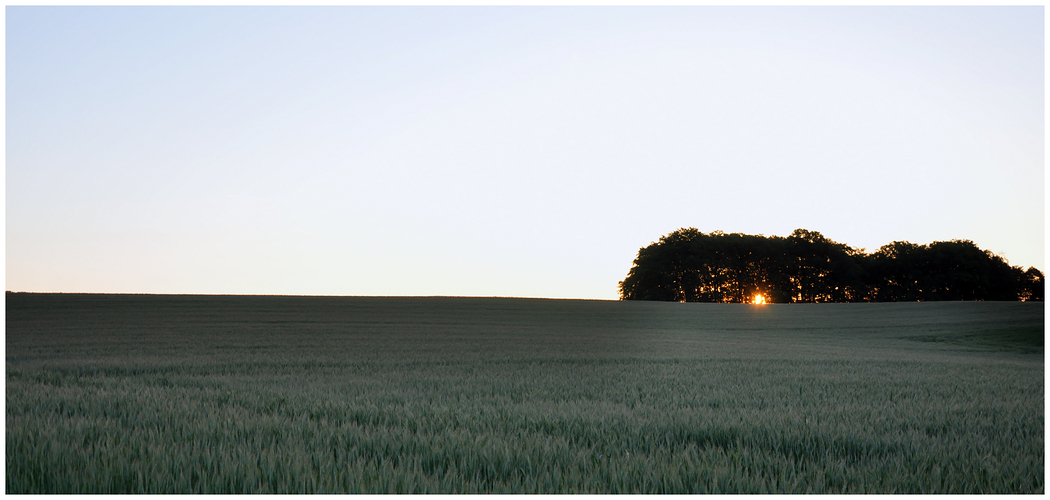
column 218, row 394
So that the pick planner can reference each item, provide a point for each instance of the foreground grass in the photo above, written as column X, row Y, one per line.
column 301, row 395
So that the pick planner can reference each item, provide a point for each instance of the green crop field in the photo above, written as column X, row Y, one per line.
column 234, row 394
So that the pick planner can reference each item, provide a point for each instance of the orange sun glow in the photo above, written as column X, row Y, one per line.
column 759, row 299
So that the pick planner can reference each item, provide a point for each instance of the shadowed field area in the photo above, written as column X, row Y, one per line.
column 235, row 394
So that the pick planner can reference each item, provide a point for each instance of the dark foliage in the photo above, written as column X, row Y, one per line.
column 690, row 266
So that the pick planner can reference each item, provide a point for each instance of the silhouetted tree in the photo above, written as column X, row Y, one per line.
column 821, row 270
column 690, row 266
column 1032, row 285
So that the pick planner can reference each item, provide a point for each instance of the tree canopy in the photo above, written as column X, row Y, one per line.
column 690, row 266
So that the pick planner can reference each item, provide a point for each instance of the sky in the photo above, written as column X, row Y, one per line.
column 502, row 151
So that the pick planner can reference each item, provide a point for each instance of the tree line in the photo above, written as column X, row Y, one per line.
column 690, row 266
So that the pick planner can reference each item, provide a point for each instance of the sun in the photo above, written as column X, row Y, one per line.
column 759, row 299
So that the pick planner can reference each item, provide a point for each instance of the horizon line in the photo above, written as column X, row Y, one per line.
column 312, row 295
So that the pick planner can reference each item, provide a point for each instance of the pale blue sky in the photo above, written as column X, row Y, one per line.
column 502, row 151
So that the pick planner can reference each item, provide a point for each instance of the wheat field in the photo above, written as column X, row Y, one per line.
column 263, row 394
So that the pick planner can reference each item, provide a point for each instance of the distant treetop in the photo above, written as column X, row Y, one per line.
column 690, row 266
